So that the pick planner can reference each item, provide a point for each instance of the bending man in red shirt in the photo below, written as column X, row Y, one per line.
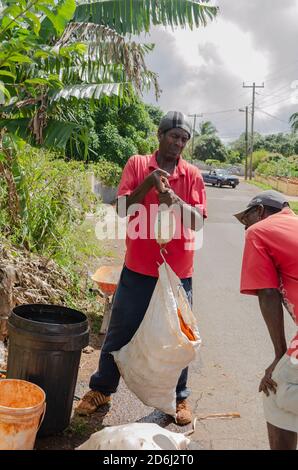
column 147, row 182
column 270, row 271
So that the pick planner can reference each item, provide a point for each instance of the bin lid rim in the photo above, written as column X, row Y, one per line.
column 69, row 325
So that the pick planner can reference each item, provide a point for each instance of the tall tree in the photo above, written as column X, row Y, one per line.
column 207, row 128
column 294, row 122
column 210, row 147
column 54, row 54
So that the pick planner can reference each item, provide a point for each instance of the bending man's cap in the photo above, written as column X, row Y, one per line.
column 269, row 198
column 174, row 119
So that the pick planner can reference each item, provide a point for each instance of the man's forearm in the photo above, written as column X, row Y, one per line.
column 272, row 311
column 191, row 217
column 124, row 202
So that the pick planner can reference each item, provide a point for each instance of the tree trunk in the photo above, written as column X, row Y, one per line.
column 13, row 203
column 12, row 195
column 7, row 281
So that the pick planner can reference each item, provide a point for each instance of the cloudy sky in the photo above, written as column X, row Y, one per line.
column 202, row 71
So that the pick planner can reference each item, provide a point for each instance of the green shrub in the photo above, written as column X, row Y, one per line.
column 210, row 147
column 213, row 163
column 4, row 219
column 280, row 167
column 54, row 197
column 125, row 131
column 273, row 157
column 233, row 157
column 258, row 156
column 108, row 173
column 113, row 147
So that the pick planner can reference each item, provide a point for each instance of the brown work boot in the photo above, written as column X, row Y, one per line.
column 183, row 413
column 91, row 401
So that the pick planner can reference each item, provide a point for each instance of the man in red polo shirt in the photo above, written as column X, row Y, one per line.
column 148, row 182
column 270, row 271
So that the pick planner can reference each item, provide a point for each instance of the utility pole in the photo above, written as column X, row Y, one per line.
column 246, row 140
column 194, row 116
column 253, row 86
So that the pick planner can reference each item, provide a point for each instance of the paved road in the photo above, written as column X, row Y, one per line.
column 236, row 348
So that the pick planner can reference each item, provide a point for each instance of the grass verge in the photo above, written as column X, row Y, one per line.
column 81, row 259
column 293, row 204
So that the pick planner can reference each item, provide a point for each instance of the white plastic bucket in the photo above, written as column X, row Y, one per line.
column 22, row 408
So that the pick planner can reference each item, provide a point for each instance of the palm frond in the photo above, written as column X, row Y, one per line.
column 294, row 122
column 89, row 91
column 57, row 133
column 17, row 126
column 135, row 16
column 106, row 47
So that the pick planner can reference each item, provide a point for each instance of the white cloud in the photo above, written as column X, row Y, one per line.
column 233, row 48
column 203, row 70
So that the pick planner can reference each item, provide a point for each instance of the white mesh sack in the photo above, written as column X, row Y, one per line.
column 152, row 361
column 135, row 436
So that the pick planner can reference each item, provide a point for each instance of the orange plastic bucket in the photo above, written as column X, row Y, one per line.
column 22, row 408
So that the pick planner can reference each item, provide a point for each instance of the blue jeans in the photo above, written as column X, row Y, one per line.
column 130, row 304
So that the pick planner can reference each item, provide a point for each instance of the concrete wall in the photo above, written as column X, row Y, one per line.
column 107, row 194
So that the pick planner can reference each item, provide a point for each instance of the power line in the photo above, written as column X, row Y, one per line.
column 219, row 112
column 269, row 98
column 271, row 115
column 276, row 102
column 275, row 92
column 273, row 95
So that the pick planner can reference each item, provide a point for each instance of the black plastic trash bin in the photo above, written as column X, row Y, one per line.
column 45, row 344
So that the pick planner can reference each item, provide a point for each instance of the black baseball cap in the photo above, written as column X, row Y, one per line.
column 269, row 198
column 174, row 119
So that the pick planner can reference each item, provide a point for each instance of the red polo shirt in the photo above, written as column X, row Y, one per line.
column 143, row 252
column 270, row 261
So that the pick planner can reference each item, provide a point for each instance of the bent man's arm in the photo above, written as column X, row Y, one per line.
column 157, row 179
column 191, row 217
column 272, row 311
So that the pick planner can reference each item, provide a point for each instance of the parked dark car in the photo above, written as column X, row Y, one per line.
column 220, row 177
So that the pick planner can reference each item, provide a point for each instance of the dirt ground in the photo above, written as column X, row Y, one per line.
column 81, row 428
column 126, row 407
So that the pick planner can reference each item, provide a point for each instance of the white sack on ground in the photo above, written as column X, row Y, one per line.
column 135, row 436
column 152, row 361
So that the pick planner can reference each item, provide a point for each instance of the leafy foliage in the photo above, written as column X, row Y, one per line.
column 54, row 196
column 233, row 157
column 155, row 113
column 108, row 173
column 48, row 65
column 279, row 166
column 135, row 16
column 56, row 54
column 286, row 144
column 124, row 131
column 258, row 156
column 207, row 128
column 294, row 122
column 210, row 147
column 113, row 146
column 212, row 163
